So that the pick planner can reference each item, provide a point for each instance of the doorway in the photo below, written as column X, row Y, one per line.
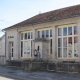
column 11, row 50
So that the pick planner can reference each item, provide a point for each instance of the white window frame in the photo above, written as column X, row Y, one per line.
column 24, row 41
column 45, row 35
column 63, row 26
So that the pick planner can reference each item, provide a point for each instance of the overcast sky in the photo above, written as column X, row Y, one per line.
column 15, row 11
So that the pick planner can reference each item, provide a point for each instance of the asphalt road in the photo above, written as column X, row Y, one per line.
column 13, row 73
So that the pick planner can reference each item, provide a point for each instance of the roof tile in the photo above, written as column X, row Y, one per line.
column 54, row 15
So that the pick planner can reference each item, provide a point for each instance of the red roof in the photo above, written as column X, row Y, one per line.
column 64, row 13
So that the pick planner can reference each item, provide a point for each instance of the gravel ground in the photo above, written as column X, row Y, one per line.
column 13, row 73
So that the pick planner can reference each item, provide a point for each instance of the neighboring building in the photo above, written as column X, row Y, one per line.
column 55, row 35
column 2, row 50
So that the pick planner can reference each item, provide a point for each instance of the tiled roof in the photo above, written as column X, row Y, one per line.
column 64, row 13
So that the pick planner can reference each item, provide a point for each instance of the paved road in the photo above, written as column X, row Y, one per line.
column 10, row 73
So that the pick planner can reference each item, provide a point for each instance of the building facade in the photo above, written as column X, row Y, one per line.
column 2, row 50
column 52, row 36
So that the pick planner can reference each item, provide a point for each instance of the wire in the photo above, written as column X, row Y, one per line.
column 5, row 21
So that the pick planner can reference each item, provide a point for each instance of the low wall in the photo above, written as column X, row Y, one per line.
column 34, row 65
column 14, row 63
column 70, row 67
column 43, row 65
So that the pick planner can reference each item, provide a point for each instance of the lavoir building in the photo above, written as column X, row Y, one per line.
column 52, row 36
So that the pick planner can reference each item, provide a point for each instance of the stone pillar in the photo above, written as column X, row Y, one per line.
column 78, row 25
column 34, row 33
column 19, row 46
column 54, row 43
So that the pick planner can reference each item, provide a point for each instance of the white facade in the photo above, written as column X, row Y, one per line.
column 52, row 36
column 2, row 50
column 20, row 42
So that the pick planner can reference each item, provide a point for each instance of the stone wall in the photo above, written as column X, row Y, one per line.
column 29, row 65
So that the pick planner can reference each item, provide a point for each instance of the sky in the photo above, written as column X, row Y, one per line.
column 15, row 11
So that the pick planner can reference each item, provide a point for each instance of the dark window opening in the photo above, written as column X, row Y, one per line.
column 29, row 35
column 31, row 48
column 51, row 46
column 25, row 35
column 42, row 34
column 38, row 48
column 47, row 33
column 69, row 30
column 21, row 49
column 51, row 33
column 12, row 54
column 12, row 50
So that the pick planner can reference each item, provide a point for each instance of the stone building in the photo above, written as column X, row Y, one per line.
column 53, row 36
column 2, row 50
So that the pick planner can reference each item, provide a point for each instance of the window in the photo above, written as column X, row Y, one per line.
column 12, row 52
column 50, row 32
column 59, row 42
column 50, row 46
column 59, row 47
column 69, row 30
column 38, row 34
column 12, row 49
column 75, row 30
column 59, row 31
column 65, row 47
column 31, row 35
column 26, row 44
column 65, row 31
column 21, row 48
column 47, row 33
column 38, row 48
column 28, row 35
column 31, row 48
column 25, row 35
column 27, row 47
column 67, row 42
column 75, row 46
column 42, row 34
